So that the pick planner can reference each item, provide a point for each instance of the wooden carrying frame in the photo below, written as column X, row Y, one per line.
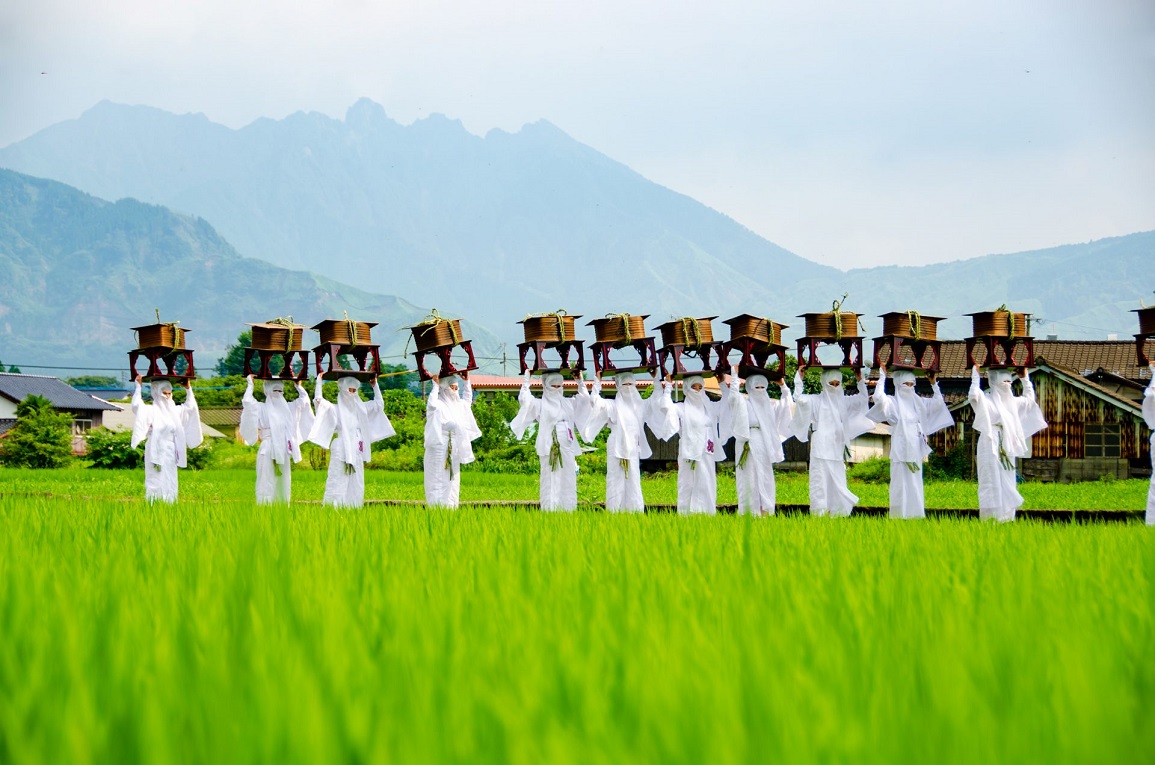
column 1146, row 335
column 163, row 345
column 1001, row 340
column 345, row 337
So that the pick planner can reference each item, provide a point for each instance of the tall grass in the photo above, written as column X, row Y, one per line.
column 220, row 632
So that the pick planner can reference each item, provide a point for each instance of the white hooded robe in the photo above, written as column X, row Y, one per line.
column 557, row 446
column 279, row 427
column 699, row 424
column 450, row 429
column 830, row 420
column 1005, row 424
column 356, row 424
column 627, row 415
column 168, row 430
column 912, row 419
column 761, row 425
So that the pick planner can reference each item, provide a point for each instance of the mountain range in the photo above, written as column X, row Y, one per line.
column 77, row 272
column 498, row 226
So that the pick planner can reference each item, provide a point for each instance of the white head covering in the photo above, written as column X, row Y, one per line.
column 165, row 420
column 906, row 395
column 627, row 388
column 1003, row 397
column 353, row 421
column 553, row 406
column 448, row 388
column 828, row 376
column 280, row 420
column 756, row 382
column 695, row 419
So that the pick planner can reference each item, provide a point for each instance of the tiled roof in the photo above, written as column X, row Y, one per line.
column 228, row 417
column 1083, row 356
column 6, row 425
column 16, row 388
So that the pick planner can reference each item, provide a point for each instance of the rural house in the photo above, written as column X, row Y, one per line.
column 1091, row 396
column 87, row 411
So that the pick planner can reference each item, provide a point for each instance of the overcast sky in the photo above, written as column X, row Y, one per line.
column 854, row 134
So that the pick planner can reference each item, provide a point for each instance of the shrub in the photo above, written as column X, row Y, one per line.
column 873, row 470
column 112, row 449
column 41, row 438
column 202, row 456
column 955, row 463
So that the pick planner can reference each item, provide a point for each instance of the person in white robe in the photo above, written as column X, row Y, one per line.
column 1149, row 418
column 760, row 425
column 830, row 421
column 1005, row 423
column 699, row 424
column 627, row 415
column 356, row 425
column 279, row 427
column 169, row 430
column 912, row 418
column 557, row 446
column 450, row 430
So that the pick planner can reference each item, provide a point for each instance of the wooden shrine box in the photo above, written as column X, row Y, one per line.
column 440, row 336
column 345, row 337
column 277, row 337
column 688, row 332
column 553, row 332
column 163, row 345
column 549, row 328
column 909, row 341
column 688, row 338
column 160, row 336
column 1001, row 340
column 1146, row 335
column 756, row 339
column 277, row 344
column 345, row 332
column 623, row 330
column 831, row 328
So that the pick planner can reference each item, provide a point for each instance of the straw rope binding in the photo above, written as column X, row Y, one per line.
column 555, row 327
column 435, row 331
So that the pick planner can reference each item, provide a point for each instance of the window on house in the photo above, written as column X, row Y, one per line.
column 1102, row 440
column 81, row 426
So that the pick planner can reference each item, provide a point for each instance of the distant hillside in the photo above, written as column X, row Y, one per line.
column 492, row 228
column 1078, row 291
column 77, row 272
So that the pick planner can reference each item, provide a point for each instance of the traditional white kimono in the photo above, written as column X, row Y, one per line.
column 170, row 430
column 450, row 429
column 830, row 420
column 912, row 419
column 627, row 416
column 699, row 424
column 1005, row 423
column 356, row 424
column 279, row 427
column 1149, row 417
column 557, row 446
column 760, row 425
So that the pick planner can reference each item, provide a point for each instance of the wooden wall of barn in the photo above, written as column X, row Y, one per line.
column 1068, row 410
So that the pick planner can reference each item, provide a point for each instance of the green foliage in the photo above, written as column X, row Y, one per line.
column 872, row 470
column 201, row 457
column 233, row 362
column 92, row 381
column 41, row 438
column 112, row 449
column 955, row 463
column 396, row 377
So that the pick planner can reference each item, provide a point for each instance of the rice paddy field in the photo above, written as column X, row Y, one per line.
column 217, row 631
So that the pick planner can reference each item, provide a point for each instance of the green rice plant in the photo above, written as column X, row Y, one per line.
column 219, row 631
